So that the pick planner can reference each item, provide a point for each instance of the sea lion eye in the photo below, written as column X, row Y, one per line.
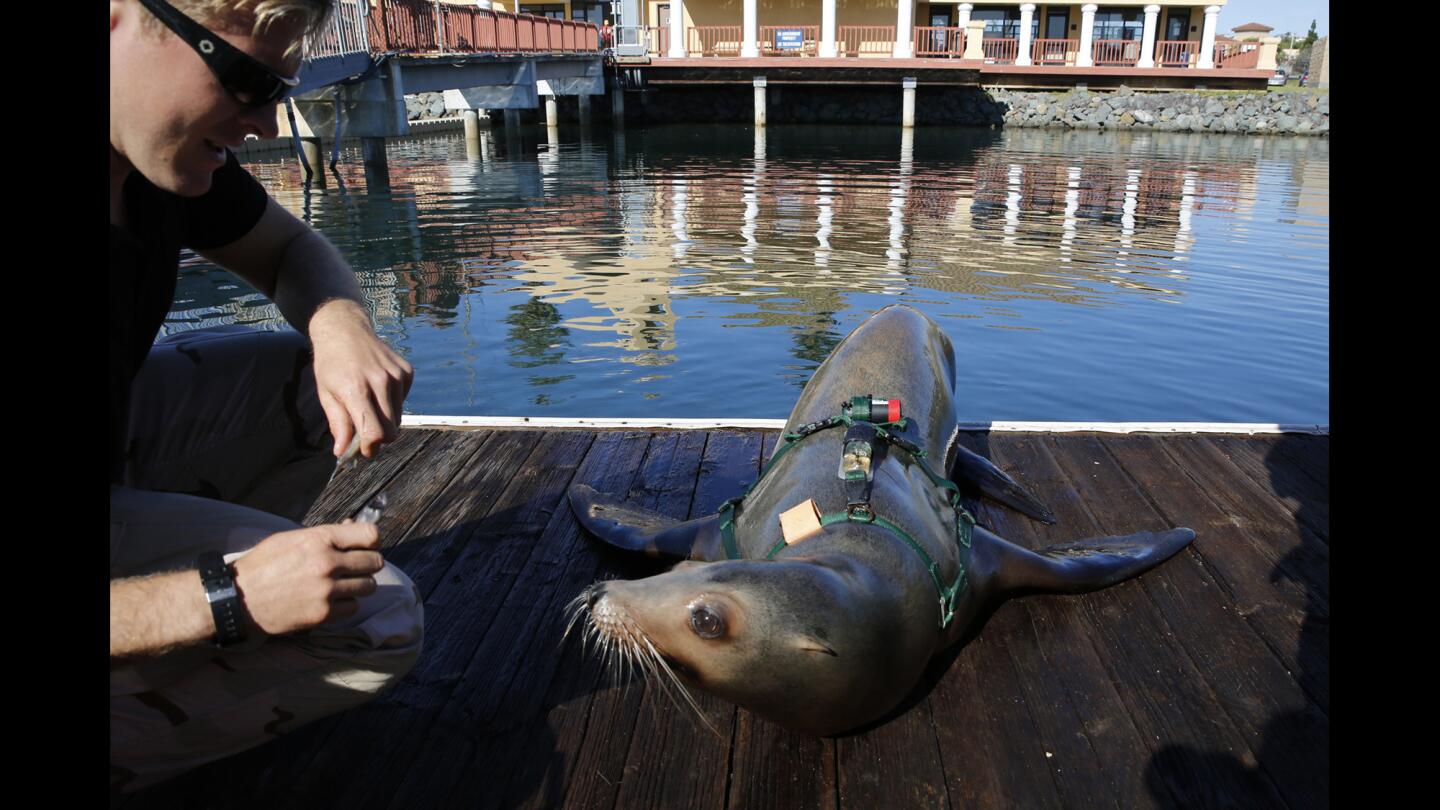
column 706, row 623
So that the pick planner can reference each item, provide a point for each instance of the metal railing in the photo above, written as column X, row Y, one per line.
column 937, row 41
column 633, row 40
column 863, row 40
column 343, row 34
column 1054, row 51
column 1237, row 54
column 1176, row 53
column 713, row 40
column 1115, row 52
column 1000, row 50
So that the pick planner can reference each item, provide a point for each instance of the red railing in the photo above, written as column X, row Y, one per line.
column 934, row 41
column 859, row 40
column 1237, row 54
column 1054, row 51
column 1176, row 53
column 660, row 40
column 422, row 25
column 1115, row 52
column 714, row 40
column 1000, row 50
column 344, row 34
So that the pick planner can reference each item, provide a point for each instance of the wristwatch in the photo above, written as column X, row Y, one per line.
column 224, row 599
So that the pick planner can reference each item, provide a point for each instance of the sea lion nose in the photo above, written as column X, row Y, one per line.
column 594, row 594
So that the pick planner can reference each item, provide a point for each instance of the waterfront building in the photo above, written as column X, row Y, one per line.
column 1035, row 38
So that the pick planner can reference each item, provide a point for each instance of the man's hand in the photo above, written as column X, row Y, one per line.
column 297, row 579
column 362, row 383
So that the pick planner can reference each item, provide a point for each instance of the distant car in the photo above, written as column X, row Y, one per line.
column 1280, row 77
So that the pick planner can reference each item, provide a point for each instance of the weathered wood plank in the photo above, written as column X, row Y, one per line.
column 350, row 489
column 499, row 696
column 1073, row 699
column 1251, row 685
column 993, row 751
column 1285, row 599
column 893, row 765
column 777, row 768
column 1302, row 499
column 595, row 734
column 365, row 763
column 1166, row 697
column 673, row 760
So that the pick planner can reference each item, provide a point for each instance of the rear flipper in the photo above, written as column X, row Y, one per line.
column 637, row 529
column 1076, row 567
column 993, row 481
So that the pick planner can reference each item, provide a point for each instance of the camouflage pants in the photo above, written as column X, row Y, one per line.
column 227, row 445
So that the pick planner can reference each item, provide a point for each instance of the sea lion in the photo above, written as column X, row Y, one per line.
column 831, row 632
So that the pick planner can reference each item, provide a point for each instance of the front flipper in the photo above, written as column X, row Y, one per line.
column 992, row 481
column 637, row 529
column 1076, row 567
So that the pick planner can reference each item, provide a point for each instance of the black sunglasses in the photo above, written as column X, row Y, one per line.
column 246, row 79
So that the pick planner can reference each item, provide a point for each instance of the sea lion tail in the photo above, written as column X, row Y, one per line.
column 991, row 480
column 635, row 528
column 1079, row 566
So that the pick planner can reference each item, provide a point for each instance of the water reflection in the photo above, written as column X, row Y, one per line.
column 615, row 235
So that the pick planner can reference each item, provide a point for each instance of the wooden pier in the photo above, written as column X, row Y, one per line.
column 1203, row 683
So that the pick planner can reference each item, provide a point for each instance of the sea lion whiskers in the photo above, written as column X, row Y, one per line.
column 624, row 648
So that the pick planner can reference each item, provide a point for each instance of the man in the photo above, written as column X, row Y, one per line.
column 221, row 439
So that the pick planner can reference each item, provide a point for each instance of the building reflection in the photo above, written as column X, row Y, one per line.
column 603, row 237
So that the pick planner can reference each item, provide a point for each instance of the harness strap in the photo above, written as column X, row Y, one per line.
column 964, row 521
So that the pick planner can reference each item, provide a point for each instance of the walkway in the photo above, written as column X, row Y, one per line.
column 1203, row 683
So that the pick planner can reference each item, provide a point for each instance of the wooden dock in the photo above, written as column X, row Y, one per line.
column 1204, row 683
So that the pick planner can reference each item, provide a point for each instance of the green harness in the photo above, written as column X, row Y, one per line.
column 859, row 510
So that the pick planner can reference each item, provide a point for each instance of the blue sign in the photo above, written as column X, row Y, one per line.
column 790, row 38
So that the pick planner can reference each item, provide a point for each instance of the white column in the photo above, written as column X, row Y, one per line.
column 1027, row 13
column 963, row 18
column 907, row 101
column 750, row 35
column 1207, row 38
column 1147, row 43
column 1087, row 36
column 904, row 35
column 759, row 82
column 827, row 28
column 678, row 49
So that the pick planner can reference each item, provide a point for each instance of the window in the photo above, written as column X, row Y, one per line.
column 591, row 11
column 1119, row 25
column 1055, row 21
column 555, row 11
column 1004, row 23
column 1176, row 25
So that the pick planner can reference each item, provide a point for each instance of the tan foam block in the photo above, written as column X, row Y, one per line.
column 800, row 522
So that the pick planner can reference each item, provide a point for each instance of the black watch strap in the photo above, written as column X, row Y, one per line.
column 224, row 599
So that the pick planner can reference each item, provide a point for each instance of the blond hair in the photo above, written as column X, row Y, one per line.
column 257, row 15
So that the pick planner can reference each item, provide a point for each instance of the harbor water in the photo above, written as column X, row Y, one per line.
column 706, row 271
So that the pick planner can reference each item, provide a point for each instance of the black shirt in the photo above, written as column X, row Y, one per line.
column 145, row 260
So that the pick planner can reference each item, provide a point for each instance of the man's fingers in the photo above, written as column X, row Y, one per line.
column 359, row 563
column 347, row 536
column 348, row 590
column 344, row 608
column 339, row 419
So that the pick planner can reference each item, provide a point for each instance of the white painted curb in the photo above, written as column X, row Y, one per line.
column 422, row 420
